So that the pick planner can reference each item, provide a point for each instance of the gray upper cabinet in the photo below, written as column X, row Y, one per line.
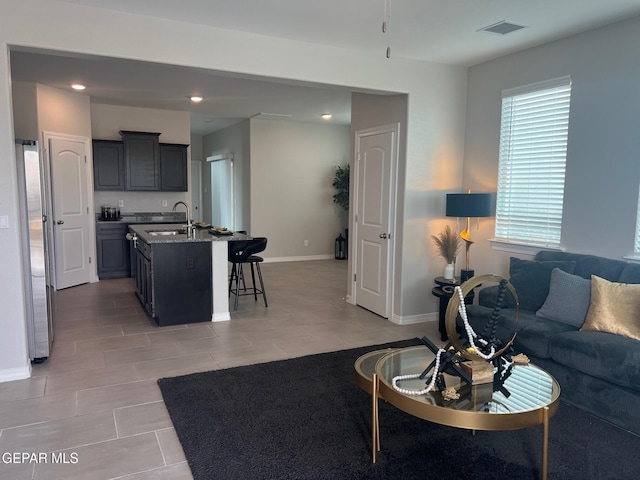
column 173, row 167
column 140, row 163
column 108, row 165
column 142, row 160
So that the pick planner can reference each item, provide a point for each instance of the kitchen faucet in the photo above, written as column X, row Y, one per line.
column 188, row 215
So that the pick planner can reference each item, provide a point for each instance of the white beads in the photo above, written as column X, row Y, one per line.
column 471, row 334
column 429, row 387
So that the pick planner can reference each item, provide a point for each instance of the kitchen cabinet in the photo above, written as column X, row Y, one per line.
column 173, row 281
column 144, row 290
column 173, row 167
column 108, row 165
column 142, row 160
column 112, row 250
column 140, row 163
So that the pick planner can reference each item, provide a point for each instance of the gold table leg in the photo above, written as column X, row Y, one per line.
column 545, row 442
column 375, row 426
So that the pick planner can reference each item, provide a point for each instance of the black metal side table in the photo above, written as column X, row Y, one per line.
column 444, row 290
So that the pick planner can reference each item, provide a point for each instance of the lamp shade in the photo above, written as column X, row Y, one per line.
column 469, row 205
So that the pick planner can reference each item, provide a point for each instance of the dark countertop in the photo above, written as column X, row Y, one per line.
column 199, row 234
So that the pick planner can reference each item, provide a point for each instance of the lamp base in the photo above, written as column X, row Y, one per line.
column 466, row 275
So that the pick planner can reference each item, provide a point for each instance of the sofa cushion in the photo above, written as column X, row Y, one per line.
column 534, row 333
column 586, row 265
column 531, row 280
column 614, row 308
column 568, row 299
column 602, row 355
column 630, row 274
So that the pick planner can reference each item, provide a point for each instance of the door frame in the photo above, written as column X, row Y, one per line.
column 393, row 128
column 46, row 159
column 196, row 172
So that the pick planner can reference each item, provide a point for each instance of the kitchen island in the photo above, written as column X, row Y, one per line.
column 181, row 275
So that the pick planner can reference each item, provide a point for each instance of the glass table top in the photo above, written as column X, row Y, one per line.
column 528, row 388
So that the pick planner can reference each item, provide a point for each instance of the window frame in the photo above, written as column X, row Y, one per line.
column 549, row 235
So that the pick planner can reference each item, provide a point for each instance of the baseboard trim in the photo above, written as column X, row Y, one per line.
column 412, row 319
column 11, row 374
column 220, row 317
column 298, row 259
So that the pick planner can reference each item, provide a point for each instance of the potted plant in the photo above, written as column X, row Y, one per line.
column 341, row 198
column 448, row 244
column 341, row 184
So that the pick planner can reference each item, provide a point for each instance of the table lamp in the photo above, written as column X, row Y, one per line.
column 468, row 205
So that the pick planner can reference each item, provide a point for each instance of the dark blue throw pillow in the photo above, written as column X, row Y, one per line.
column 531, row 280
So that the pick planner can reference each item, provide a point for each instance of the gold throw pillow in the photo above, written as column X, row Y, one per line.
column 614, row 308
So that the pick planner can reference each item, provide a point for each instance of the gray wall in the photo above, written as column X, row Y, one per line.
column 234, row 139
column 292, row 168
column 603, row 164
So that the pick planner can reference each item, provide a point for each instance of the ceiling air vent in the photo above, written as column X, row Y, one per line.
column 501, row 28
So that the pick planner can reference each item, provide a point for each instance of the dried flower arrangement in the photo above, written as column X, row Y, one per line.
column 448, row 244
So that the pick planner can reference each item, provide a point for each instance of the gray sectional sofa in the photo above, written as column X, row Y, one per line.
column 597, row 371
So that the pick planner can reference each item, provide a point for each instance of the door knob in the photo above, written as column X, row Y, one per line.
column 383, row 235
column 60, row 222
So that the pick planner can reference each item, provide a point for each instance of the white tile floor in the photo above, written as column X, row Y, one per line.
column 96, row 399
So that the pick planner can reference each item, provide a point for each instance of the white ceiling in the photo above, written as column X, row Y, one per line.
column 444, row 31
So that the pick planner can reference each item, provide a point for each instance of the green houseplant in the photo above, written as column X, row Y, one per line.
column 341, row 184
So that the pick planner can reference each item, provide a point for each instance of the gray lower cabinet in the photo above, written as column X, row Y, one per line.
column 112, row 250
column 173, row 282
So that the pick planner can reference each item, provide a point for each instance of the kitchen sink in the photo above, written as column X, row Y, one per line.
column 180, row 231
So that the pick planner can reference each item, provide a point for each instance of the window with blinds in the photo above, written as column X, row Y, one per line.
column 533, row 151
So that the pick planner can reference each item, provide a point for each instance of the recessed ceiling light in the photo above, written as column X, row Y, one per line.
column 326, row 116
column 196, row 99
column 78, row 86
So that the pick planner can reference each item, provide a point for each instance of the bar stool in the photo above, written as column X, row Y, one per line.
column 241, row 252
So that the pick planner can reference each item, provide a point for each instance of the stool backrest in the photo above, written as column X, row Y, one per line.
column 241, row 250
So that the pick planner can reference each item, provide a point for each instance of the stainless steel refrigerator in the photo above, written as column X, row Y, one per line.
column 35, row 251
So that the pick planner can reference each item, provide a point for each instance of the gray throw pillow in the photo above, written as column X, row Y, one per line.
column 568, row 299
column 531, row 280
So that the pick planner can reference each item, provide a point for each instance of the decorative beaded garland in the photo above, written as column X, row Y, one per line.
column 428, row 388
column 471, row 334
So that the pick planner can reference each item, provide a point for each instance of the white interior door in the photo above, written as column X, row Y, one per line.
column 71, row 217
column 375, row 164
column 196, row 191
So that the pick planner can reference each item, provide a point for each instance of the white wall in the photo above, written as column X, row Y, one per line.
column 603, row 158
column 106, row 123
column 292, row 168
column 434, row 129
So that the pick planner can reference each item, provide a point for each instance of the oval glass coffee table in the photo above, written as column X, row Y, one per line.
column 529, row 396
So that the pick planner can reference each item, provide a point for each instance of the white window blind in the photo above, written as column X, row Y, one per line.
column 533, row 151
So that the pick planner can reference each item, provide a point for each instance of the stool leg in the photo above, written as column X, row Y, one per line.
column 233, row 272
column 253, row 279
column 264, row 294
column 235, row 304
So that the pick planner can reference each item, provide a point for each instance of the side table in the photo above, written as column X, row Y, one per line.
column 444, row 291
